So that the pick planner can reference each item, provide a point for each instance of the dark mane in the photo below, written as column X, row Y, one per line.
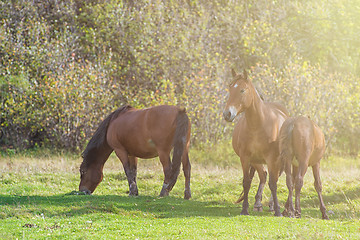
column 98, row 140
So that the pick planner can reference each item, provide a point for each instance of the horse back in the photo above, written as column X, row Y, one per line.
column 142, row 132
column 161, row 123
column 304, row 138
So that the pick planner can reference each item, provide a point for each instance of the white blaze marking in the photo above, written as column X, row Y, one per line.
column 233, row 111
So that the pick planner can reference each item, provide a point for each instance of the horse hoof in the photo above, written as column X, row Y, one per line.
column 258, row 209
column 133, row 190
column 187, row 195
column 278, row 215
column 164, row 193
column 285, row 213
column 244, row 213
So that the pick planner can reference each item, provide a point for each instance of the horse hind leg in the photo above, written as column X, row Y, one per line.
column 299, row 182
column 273, row 177
column 258, row 197
column 271, row 203
column 187, row 174
column 246, row 188
column 289, row 210
column 318, row 188
column 166, row 164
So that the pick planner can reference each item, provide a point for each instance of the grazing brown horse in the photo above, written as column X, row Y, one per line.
column 145, row 133
column 303, row 139
column 255, row 137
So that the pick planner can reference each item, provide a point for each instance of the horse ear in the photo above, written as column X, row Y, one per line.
column 234, row 74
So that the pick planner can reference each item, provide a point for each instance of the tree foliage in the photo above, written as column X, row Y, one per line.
column 65, row 65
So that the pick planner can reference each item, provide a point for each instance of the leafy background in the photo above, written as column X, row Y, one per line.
column 65, row 65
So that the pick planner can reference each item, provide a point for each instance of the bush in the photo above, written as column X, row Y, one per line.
column 65, row 65
column 329, row 99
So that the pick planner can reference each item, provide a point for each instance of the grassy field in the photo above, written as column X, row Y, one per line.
column 37, row 201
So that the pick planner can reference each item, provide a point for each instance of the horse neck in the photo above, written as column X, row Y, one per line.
column 254, row 114
column 97, row 157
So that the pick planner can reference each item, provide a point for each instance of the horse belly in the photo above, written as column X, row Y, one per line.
column 258, row 150
column 142, row 149
column 257, row 158
column 133, row 145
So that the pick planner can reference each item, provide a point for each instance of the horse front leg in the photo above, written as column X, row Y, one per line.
column 246, row 188
column 132, row 173
column 130, row 168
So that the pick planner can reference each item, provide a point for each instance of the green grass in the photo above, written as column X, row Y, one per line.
column 37, row 201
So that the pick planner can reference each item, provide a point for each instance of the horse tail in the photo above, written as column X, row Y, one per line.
column 251, row 175
column 180, row 140
column 285, row 145
column 98, row 146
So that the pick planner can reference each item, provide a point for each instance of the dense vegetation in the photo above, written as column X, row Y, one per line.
column 64, row 65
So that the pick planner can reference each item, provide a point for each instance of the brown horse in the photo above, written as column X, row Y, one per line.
column 255, row 137
column 145, row 133
column 303, row 139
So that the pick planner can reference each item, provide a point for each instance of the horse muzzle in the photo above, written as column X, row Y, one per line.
column 228, row 116
column 230, row 113
column 85, row 190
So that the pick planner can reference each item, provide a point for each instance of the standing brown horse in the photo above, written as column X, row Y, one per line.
column 303, row 139
column 255, row 137
column 145, row 133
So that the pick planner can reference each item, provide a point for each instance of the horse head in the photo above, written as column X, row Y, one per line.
column 241, row 93
column 90, row 177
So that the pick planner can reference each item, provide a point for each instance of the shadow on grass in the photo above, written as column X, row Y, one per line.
column 75, row 205
column 168, row 207
column 333, row 198
column 348, row 199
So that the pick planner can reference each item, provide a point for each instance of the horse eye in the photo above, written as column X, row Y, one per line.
column 242, row 90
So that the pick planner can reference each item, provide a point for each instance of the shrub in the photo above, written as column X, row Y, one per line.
column 65, row 65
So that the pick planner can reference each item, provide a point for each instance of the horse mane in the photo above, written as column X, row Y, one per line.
column 259, row 93
column 98, row 140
